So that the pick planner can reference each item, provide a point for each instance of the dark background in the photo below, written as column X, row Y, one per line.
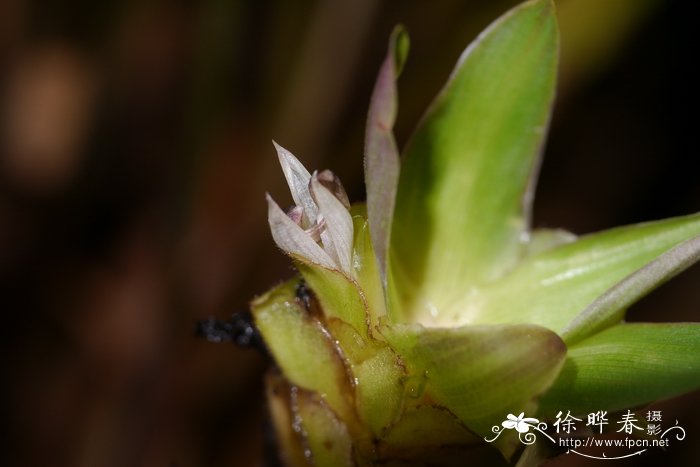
column 134, row 157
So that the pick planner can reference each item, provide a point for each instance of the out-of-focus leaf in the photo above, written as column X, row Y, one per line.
column 603, row 311
column 626, row 365
column 551, row 288
column 482, row 373
column 292, row 336
column 327, row 437
column 464, row 192
column 381, row 153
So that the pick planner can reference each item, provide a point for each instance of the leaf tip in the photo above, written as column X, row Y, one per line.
column 400, row 44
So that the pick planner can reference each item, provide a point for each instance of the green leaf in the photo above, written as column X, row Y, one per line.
column 466, row 183
column 292, row 336
column 481, row 373
column 625, row 366
column 465, row 186
column 604, row 310
column 381, row 153
column 553, row 287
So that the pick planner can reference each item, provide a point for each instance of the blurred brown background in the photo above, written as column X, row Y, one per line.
column 135, row 152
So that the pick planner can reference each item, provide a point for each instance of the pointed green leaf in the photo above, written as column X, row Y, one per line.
column 465, row 185
column 553, row 287
column 481, row 373
column 626, row 366
column 605, row 309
